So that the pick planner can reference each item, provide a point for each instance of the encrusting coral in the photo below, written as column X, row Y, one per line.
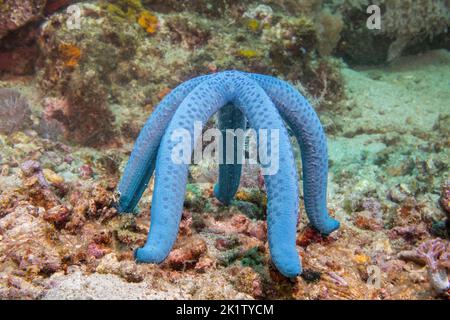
column 199, row 99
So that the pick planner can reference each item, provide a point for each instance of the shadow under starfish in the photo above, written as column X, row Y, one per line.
column 263, row 100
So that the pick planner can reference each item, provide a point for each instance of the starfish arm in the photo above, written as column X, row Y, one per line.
column 170, row 182
column 230, row 117
column 141, row 163
column 310, row 135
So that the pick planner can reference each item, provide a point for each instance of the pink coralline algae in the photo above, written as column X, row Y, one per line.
column 96, row 251
column 86, row 172
column 436, row 254
column 14, row 111
column 187, row 255
column 15, row 14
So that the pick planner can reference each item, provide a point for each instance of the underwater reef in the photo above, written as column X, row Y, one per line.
column 78, row 80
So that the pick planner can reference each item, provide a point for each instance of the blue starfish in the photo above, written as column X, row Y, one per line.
column 263, row 100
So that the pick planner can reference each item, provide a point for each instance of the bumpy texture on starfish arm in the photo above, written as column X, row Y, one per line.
column 141, row 164
column 209, row 94
column 230, row 117
column 305, row 124
column 170, row 181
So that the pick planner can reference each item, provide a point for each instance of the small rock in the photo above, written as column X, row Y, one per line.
column 109, row 264
column 4, row 170
column 226, row 243
column 309, row 236
column 205, row 263
column 52, row 177
column 311, row 276
column 367, row 221
column 103, row 237
column 94, row 250
column 187, row 255
column 130, row 272
column 248, row 280
column 258, row 230
column 361, row 259
column 411, row 255
column 68, row 159
column 240, row 223
column 58, row 215
column 126, row 269
column 398, row 194
column 30, row 167
column 76, row 221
